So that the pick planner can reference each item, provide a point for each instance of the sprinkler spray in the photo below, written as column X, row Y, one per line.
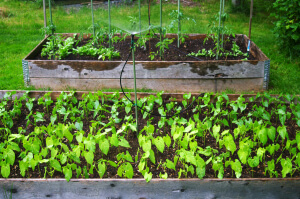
column 134, row 77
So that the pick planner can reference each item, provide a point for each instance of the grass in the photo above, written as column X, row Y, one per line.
column 20, row 33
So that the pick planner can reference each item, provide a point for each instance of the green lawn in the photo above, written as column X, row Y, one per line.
column 20, row 33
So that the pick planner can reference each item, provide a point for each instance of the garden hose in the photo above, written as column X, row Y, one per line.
column 182, row 111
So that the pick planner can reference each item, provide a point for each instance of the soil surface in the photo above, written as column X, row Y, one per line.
column 257, row 172
column 142, row 53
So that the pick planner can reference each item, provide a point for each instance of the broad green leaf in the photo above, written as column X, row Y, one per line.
column 114, row 140
column 229, row 143
column 253, row 162
column 53, row 118
column 263, row 135
column 123, row 142
column 63, row 158
column 55, row 164
column 68, row 173
column 10, row 157
column 89, row 157
column 243, row 155
column 104, row 146
column 79, row 137
column 159, row 143
column 170, row 164
column 148, row 176
column 272, row 133
column 128, row 157
column 216, row 131
column 79, row 125
column 146, row 145
column 282, row 132
column 49, row 142
column 101, row 169
column 128, row 170
column 23, row 167
column 5, row 170
column 260, row 153
column 221, row 173
column 286, row 166
column 167, row 140
column 67, row 134
column 200, row 171
column 237, row 167
column 152, row 156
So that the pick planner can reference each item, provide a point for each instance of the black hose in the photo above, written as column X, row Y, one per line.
column 182, row 111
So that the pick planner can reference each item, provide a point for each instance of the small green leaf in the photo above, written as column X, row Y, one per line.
column 170, row 165
column 148, row 176
column 159, row 143
column 128, row 170
column 167, row 140
column 123, row 142
column 49, row 142
column 5, row 170
column 68, row 173
column 89, row 157
column 104, row 146
column 152, row 156
column 253, row 162
column 101, row 169
column 114, row 140
column 79, row 125
column 229, row 143
column 55, row 164
column 282, row 132
column 263, row 135
column 272, row 133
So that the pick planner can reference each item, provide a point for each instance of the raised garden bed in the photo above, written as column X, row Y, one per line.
column 233, row 127
column 177, row 73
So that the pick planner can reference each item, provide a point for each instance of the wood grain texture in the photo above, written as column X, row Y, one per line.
column 167, row 85
column 139, row 188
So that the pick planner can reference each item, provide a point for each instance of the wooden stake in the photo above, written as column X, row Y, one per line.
column 250, row 21
column 45, row 16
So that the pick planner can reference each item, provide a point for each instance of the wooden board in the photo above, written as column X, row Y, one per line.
column 175, row 76
column 139, row 188
column 167, row 85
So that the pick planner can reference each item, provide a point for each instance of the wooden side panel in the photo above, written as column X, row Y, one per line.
column 146, row 70
column 139, row 188
column 168, row 85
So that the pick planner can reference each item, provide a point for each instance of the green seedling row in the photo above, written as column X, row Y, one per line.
column 96, row 137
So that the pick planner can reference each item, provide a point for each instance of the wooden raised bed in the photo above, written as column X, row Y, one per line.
column 175, row 76
column 210, row 188
column 157, row 188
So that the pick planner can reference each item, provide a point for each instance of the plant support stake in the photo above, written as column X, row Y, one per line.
column 140, row 18
column 51, row 17
column 134, row 77
column 218, row 41
column 109, row 24
column 250, row 23
column 160, row 50
column 45, row 16
column 223, row 20
column 179, row 29
column 93, row 17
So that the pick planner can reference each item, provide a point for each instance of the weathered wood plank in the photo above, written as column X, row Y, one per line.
column 167, row 85
column 153, row 70
column 139, row 188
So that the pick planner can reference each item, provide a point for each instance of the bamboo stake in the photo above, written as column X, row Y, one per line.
column 218, row 44
column 179, row 28
column 51, row 16
column 223, row 11
column 93, row 17
column 250, row 21
column 160, row 28
column 45, row 16
column 109, row 24
column 140, row 18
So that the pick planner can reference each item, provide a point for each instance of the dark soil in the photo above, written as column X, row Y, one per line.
column 171, row 54
column 258, row 172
